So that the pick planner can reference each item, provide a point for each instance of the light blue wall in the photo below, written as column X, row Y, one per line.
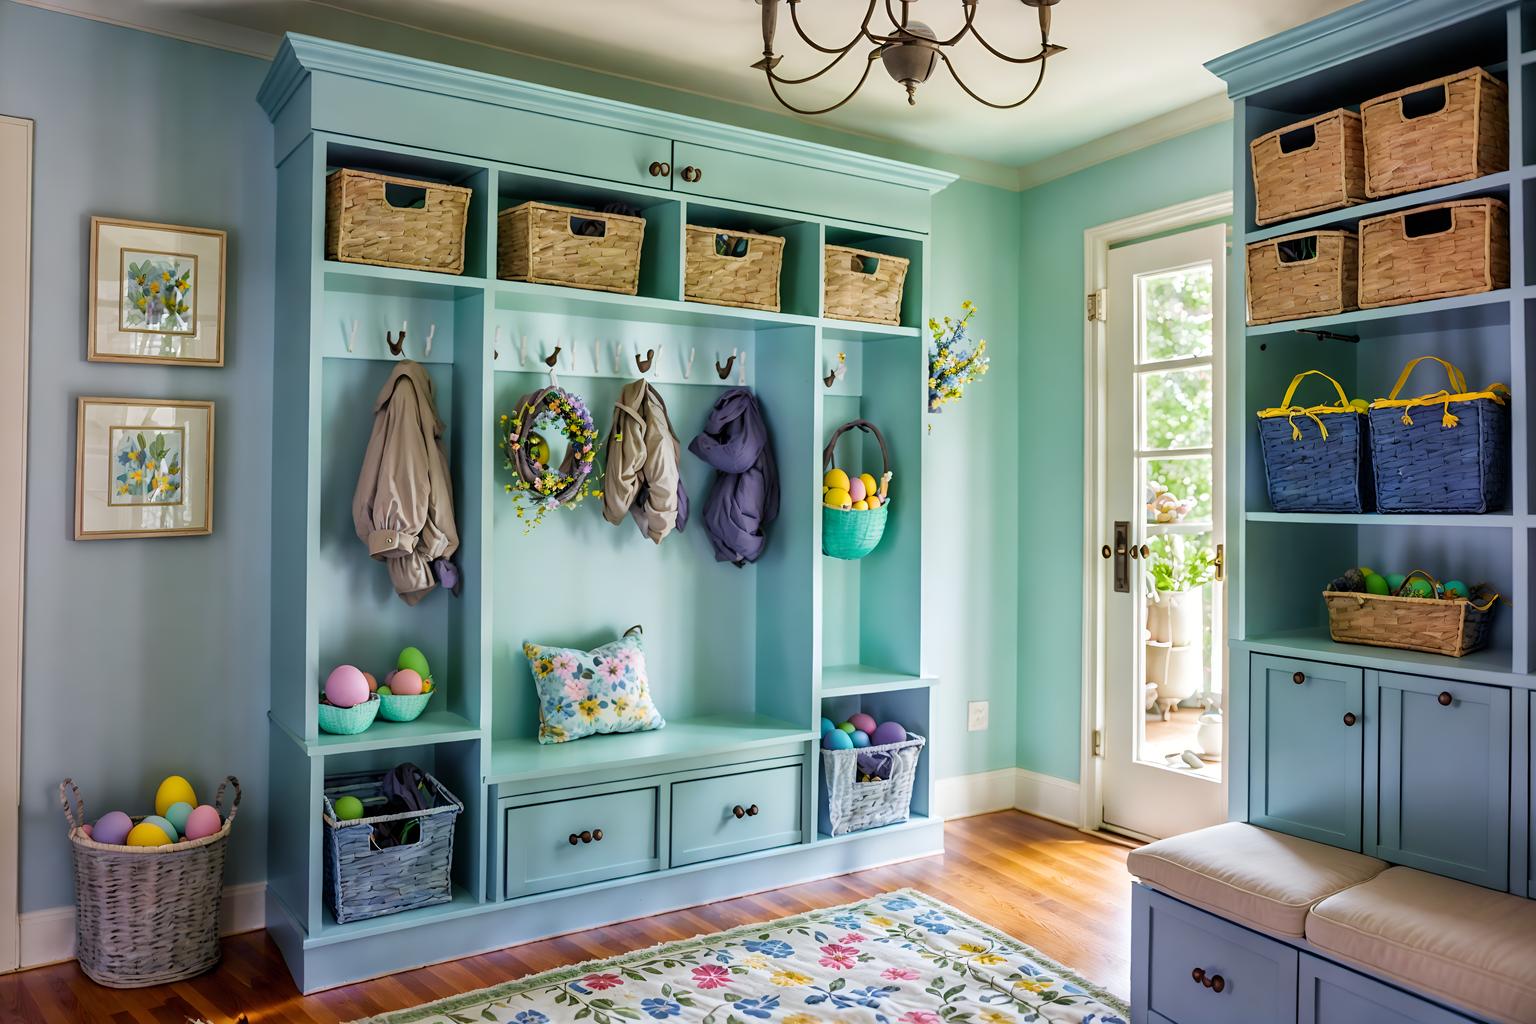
column 1050, row 421
column 143, row 657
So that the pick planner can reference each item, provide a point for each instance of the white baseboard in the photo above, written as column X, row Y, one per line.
column 961, row 796
column 48, row 936
column 1048, row 797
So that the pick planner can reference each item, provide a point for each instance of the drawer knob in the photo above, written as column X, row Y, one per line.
column 1216, row 983
column 692, row 173
column 1444, row 699
column 739, row 811
column 1299, row 678
column 1198, row 974
column 597, row 835
column 1349, row 718
column 661, row 169
column 575, row 839
column 752, row 811
column 586, row 837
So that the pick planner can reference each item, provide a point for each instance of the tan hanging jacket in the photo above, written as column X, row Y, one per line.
column 642, row 477
column 403, row 507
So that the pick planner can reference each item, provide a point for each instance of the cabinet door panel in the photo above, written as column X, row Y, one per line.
column 706, row 827
column 541, row 857
column 1330, row 994
column 1443, row 791
column 1305, row 764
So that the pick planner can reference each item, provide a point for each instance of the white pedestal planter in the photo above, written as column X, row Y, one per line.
column 1174, row 652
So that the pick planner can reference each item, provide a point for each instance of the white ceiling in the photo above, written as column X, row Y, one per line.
column 1128, row 61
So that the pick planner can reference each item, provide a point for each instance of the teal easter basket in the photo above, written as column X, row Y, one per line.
column 850, row 534
column 401, row 707
column 349, row 721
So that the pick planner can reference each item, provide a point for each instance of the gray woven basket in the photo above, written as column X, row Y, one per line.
column 849, row 805
column 146, row 915
column 361, row 879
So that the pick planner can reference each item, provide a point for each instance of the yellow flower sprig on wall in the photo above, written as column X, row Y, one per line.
column 951, row 365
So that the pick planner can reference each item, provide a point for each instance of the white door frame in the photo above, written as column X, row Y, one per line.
column 1096, row 527
column 16, row 277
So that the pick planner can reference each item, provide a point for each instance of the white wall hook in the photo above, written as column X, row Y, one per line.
column 688, row 366
column 431, row 333
column 597, row 356
column 352, row 337
column 741, row 374
column 496, row 345
column 618, row 356
column 522, row 352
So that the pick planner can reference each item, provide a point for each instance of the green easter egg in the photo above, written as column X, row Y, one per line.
column 1375, row 584
column 1456, row 588
column 1421, row 587
column 1395, row 581
column 845, row 726
column 413, row 659
column 385, row 691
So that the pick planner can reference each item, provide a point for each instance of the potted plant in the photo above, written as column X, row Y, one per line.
column 1177, row 574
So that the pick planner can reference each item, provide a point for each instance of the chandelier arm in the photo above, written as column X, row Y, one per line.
column 863, row 32
column 969, row 26
column 999, row 54
column 986, row 102
column 814, row 75
column 897, row 23
column 774, row 88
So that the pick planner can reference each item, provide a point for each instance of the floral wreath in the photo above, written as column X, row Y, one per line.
column 537, row 487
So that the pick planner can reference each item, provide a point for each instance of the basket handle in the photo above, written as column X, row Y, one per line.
column 1424, row 95
column 1458, row 380
column 1290, row 392
column 828, row 454
column 74, row 815
column 730, row 245
column 1297, row 140
column 218, row 799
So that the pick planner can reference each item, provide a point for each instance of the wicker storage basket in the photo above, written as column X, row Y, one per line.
column 403, row 707
column 349, row 721
column 745, row 273
column 146, row 915
column 863, row 285
column 850, row 534
column 1309, row 167
column 550, row 244
column 1314, row 273
column 363, row 880
column 1434, row 252
column 1453, row 626
column 848, row 805
column 368, row 222
column 1445, row 452
column 1316, row 458
column 1452, row 129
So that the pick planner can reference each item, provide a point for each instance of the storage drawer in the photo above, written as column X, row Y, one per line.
column 1443, row 792
column 1305, row 749
column 734, row 814
column 1330, row 994
column 563, row 843
column 763, row 181
column 1174, row 946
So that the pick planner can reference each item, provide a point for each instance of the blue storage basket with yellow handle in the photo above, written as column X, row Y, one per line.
column 1445, row 452
column 1317, row 458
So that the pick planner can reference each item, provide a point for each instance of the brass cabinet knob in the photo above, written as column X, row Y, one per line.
column 1105, row 551
column 1216, row 983
column 1349, row 718
column 1444, row 699
column 597, row 835
column 1198, row 974
column 661, row 169
column 752, row 811
column 1299, row 678
column 692, row 173
column 739, row 811
column 586, row 837
column 575, row 839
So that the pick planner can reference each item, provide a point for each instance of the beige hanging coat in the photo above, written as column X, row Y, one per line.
column 403, row 507
column 643, row 478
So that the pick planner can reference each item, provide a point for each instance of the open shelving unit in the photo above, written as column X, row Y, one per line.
column 742, row 662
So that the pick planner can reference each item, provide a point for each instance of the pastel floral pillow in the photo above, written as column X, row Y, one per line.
column 582, row 693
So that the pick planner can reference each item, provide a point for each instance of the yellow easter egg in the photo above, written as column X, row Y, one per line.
column 873, row 501
column 871, row 485
column 838, row 498
column 836, row 479
column 174, row 790
column 861, row 506
column 146, row 834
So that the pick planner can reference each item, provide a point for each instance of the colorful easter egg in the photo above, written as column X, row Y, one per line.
column 888, row 732
column 1394, row 581
column 373, row 682
column 836, row 479
column 845, row 726
column 1456, row 588
column 871, row 485
column 860, row 738
column 385, row 691
column 857, row 490
column 164, row 825
column 827, row 726
column 147, row 834
column 862, row 722
column 346, row 686
column 112, row 828
column 837, row 497
column 836, row 739
column 413, row 659
column 407, row 683
column 1418, row 587
column 177, row 815
column 203, row 822
column 174, row 789
column 1375, row 584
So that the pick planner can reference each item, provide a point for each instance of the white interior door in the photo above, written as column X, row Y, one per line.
column 1163, row 656
column 16, row 280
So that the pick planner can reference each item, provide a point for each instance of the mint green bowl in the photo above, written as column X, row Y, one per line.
column 349, row 721
column 400, row 707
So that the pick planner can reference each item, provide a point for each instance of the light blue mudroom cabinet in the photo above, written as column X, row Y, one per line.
column 742, row 662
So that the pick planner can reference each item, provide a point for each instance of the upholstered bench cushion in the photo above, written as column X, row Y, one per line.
column 1465, row 944
column 1251, row 875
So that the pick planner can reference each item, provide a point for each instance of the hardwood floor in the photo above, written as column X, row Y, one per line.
column 1063, row 892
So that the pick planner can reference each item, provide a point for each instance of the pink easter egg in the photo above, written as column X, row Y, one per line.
column 346, row 686
column 863, row 723
column 88, row 830
column 887, row 732
column 203, row 822
column 856, row 489
column 406, row 682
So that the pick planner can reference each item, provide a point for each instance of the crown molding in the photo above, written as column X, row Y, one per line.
column 1204, row 113
column 146, row 17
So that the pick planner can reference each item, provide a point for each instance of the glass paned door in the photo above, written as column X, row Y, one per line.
column 1163, row 684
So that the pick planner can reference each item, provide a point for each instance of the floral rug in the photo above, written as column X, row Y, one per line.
column 898, row 958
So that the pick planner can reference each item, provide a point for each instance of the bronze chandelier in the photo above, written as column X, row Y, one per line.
column 910, row 51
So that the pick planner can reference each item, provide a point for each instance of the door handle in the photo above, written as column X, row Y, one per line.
column 1219, row 563
column 1122, row 556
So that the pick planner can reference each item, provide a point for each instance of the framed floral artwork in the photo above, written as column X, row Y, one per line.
column 156, row 293
column 143, row 468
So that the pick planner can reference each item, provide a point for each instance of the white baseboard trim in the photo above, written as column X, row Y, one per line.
column 1046, row 796
column 961, row 796
column 48, row 936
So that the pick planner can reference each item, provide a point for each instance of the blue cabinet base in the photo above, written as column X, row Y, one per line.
column 371, row 949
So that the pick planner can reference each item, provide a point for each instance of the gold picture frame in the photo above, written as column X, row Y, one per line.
column 143, row 468
column 156, row 293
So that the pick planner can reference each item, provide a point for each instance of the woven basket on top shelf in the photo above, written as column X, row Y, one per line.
column 388, row 221
column 549, row 244
column 1453, row 626
column 1314, row 273
column 1453, row 129
column 146, row 915
column 1309, row 167
column 1434, row 252
column 863, row 285
column 732, row 268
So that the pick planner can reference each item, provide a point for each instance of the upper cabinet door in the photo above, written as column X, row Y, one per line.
column 763, row 181
column 1305, row 749
column 1443, row 792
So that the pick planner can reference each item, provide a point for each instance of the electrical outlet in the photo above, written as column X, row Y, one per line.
column 976, row 715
